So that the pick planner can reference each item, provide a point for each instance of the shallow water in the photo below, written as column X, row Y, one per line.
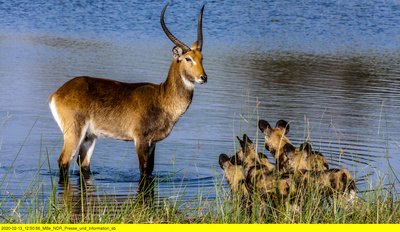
column 332, row 69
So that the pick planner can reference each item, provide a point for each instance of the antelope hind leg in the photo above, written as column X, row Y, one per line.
column 85, row 153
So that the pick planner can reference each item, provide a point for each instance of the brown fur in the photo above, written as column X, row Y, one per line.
column 88, row 107
column 261, row 178
column 275, row 139
column 234, row 175
column 316, row 161
column 330, row 182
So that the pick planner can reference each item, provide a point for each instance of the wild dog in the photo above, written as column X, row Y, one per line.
column 275, row 140
column 330, row 182
column 316, row 161
column 252, row 160
column 234, row 175
column 305, row 158
column 261, row 179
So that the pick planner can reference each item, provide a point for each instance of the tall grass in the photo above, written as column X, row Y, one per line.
column 87, row 202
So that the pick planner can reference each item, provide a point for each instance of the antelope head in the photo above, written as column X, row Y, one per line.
column 188, row 60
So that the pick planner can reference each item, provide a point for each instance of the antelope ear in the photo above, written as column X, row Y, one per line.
column 264, row 126
column 283, row 125
column 194, row 46
column 177, row 52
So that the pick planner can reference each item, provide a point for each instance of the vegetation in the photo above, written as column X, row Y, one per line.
column 375, row 206
column 378, row 202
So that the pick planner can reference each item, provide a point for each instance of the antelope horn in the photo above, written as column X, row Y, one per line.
column 174, row 40
column 200, row 31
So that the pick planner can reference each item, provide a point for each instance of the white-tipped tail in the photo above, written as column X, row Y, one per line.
column 54, row 111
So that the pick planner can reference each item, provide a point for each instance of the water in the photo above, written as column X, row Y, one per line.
column 330, row 68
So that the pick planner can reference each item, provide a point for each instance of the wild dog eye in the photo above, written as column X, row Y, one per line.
column 188, row 59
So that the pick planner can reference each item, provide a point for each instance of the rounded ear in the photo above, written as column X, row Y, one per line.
column 238, row 158
column 177, row 52
column 289, row 150
column 306, row 147
column 283, row 125
column 264, row 126
column 262, row 155
column 223, row 158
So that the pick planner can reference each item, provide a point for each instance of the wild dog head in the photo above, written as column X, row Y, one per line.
column 250, row 156
column 233, row 174
column 316, row 161
column 275, row 140
column 305, row 158
column 297, row 159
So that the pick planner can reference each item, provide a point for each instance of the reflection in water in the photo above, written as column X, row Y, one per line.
column 82, row 199
column 329, row 67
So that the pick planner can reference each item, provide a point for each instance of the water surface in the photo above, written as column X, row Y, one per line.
column 332, row 69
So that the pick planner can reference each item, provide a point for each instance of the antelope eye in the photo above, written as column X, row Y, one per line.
column 188, row 59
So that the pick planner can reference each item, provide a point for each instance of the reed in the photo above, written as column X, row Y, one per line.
column 41, row 203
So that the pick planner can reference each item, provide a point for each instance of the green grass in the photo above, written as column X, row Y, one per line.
column 41, row 202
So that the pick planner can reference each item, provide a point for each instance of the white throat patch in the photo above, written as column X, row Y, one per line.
column 187, row 83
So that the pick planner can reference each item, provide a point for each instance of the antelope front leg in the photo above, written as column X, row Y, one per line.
column 145, row 152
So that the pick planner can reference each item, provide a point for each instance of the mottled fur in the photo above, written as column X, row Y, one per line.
column 234, row 175
column 261, row 179
column 330, row 182
column 316, row 161
column 275, row 140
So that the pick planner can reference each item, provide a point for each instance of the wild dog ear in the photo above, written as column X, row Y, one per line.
column 223, row 161
column 246, row 144
column 289, row 150
column 264, row 126
column 306, row 147
column 240, row 141
column 262, row 155
column 177, row 52
column 238, row 158
column 247, row 139
column 283, row 125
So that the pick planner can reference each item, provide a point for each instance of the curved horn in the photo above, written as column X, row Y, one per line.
column 200, row 31
column 174, row 40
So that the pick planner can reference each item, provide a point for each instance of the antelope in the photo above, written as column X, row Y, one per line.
column 88, row 107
